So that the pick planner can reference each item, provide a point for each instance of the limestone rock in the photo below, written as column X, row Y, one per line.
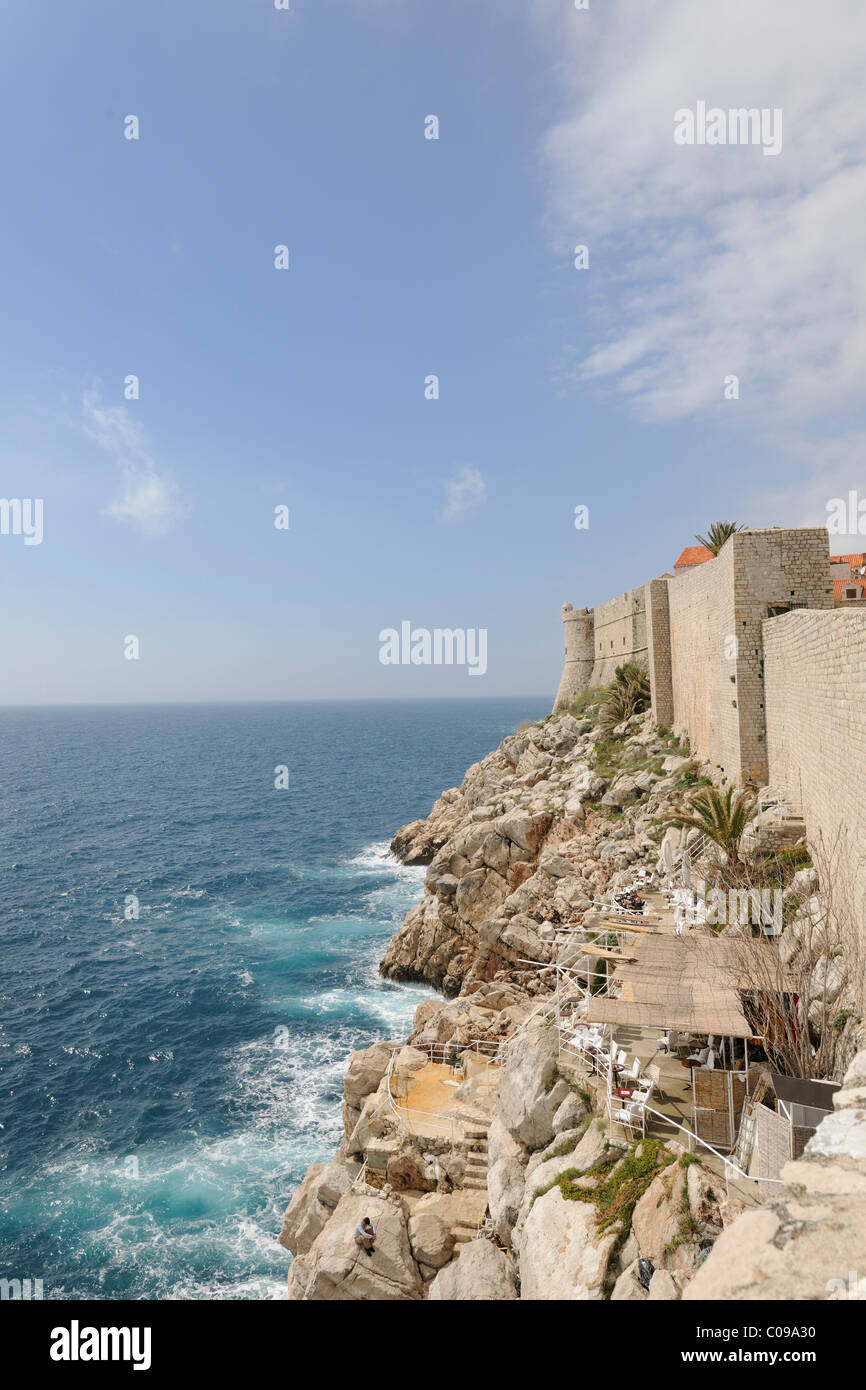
column 592, row 1150
column 524, row 830
column 479, row 893
column 482, row 1274
column 561, row 1254
column 410, row 844
column 802, row 1244
column 502, row 1144
column 374, row 1122
column 570, row 1113
column 627, row 1253
column 431, row 1241
column 623, row 792
column 407, row 1062
column 659, row 1221
column 528, row 1096
column 335, row 1268
column 365, row 1071
column 704, row 1196
column 505, row 1187
column 663, row 1287
column 408, row 1168
column 675, row 763
column 313, row 1205
column 628, row 1286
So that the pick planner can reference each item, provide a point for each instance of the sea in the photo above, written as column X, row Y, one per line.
column 194, row 900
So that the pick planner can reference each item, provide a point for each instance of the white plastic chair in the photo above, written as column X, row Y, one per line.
column 632, row 1073
column 633, row 1114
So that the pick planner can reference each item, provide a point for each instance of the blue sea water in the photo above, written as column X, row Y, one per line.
column 166, row 1078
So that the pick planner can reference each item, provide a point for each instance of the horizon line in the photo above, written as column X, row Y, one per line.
column 306, row 700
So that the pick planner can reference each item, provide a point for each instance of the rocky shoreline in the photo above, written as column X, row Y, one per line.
column 518, row 857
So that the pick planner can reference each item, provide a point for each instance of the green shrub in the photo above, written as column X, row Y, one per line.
column 617, row 1193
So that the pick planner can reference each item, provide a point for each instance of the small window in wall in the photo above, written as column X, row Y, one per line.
column 850, row 593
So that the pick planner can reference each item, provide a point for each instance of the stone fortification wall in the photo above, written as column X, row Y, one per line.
column 700, row 635
column 619, row 635
column 703, row 696
column 577, row 672
column 716, row 616
column 815, row 681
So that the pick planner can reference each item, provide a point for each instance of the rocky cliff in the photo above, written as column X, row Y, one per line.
column 531, row 837
column 518, row 855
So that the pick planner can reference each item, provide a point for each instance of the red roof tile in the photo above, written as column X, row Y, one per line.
column 840, row 585
column 693, row 555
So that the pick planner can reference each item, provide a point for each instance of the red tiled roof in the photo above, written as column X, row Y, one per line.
column 840, row 585
column 855, row 561
column 693, row 555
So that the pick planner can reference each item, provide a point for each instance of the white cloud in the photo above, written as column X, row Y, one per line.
column 707, row 260
column 464, row 491
column 834, row 466
column 148, row 500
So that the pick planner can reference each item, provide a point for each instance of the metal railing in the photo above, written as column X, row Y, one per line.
column 601, row 1062
column 483, row 1047
column 728, row 1162
column 403, row 1114
column 444, row 1124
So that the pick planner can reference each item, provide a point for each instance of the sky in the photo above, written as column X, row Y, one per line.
column 307, row 388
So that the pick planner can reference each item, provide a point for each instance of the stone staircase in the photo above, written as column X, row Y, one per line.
column 476, row 1155
column 475, row 1180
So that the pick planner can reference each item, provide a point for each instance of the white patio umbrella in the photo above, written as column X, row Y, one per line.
column 668, row 856
column 687, row 869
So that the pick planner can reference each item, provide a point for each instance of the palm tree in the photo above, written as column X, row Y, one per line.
column 629, row 694
column 718, row 533
column 721, row 817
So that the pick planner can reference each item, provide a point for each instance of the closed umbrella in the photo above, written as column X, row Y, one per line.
column 668, row 856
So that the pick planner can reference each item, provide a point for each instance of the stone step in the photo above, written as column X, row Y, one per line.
column 478, row 1184
column 462, row 1234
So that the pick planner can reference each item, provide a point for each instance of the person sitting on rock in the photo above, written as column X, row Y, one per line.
column 365, row 1235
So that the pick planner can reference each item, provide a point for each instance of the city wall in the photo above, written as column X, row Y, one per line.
column 700, row 635
column 815, row 682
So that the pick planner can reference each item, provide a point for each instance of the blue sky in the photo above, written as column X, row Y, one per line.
column 409, row 256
